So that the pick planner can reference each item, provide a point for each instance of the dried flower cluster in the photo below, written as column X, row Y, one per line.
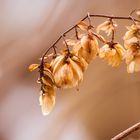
column 66, row 68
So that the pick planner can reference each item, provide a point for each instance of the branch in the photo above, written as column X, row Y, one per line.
column 88, row 17
column 127, row 132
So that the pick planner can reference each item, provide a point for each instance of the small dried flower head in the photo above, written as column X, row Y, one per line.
column 47, row 100
column 107, row 26
column 133, row 58
column 133, row 31
column 68, row 70
column 86, row 48
column 113, row 54
column 132, row 44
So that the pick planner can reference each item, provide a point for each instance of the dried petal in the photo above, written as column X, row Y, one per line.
column 133, row 31
column 71, row 42
column 81, row 62
column 133, row 63
column 83, row 26
column 32, row 67
column 47, row 101
column 87, row 48
column 57, row 63
column 78, row 74
column 106, row 26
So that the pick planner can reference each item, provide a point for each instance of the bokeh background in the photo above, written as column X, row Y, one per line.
column 108, row 100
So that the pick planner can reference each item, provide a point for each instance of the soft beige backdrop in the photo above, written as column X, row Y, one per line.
column 108, row 100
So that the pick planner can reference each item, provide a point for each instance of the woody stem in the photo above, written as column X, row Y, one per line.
column 127, row 132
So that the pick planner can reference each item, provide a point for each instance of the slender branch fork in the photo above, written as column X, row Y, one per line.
column 127, row 132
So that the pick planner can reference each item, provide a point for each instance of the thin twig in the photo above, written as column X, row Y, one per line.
column 76, row 33
column 127, row 132
column 114, row 17
column 113, row 30
column 65, row 43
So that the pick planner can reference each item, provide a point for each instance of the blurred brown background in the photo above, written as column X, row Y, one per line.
column 108, row 100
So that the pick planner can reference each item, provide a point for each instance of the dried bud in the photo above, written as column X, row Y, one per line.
column 134, row 64
column 113, row 54
column 107, row 27
column 81, row 62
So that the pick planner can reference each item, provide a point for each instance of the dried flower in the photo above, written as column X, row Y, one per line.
column 107, row 27
column 68, row 70
column 86, row 48
column 133, row 58
column 132, row 44
column 47, row 94
column 133, row 31
column 112, row 53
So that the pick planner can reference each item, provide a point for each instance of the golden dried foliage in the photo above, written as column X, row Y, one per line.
column 66, row 68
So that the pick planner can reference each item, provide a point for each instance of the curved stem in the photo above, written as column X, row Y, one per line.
column 127, row 132
column 113, row 30
column 66, row 43
column 76, row 33
column 88, row 16
column 115, row 17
